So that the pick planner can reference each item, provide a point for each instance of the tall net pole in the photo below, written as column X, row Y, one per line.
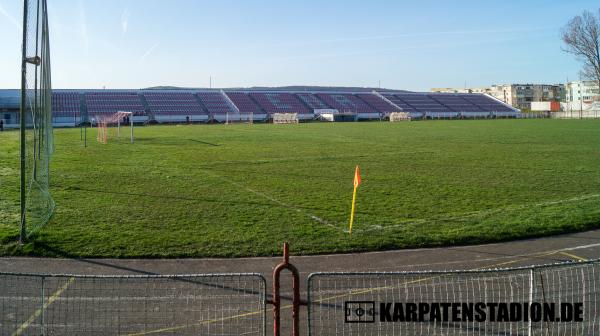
column 23, row 229
column 36, row 137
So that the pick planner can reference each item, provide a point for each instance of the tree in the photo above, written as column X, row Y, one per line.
column 582, row 38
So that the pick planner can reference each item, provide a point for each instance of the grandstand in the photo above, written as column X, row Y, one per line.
column 66, row 108
column 349, row 103
column 174, row 106
column 217, row 104
column 71, row 107
column 282, row 102
column 99, row 103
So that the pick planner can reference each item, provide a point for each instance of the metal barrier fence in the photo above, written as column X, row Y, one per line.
column 584, row 114
column 207, row 304
column 389, row 303
column 560, row 299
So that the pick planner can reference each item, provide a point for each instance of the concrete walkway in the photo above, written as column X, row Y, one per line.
column 573, row 247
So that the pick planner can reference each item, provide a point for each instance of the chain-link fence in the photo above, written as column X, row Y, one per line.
column 219, row 304
column 548, row 300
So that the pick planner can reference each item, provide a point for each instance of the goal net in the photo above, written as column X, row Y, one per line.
column 35, row 118
column 239, row 118
column 399, row 116
column 285, row 118
column 103, row 124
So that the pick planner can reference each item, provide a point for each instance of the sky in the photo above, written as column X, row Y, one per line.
column 401, row 44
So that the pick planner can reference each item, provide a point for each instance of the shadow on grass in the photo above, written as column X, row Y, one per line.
column 204, row 142
column 269, row 204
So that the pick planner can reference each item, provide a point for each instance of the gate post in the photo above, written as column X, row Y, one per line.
column 285, row 264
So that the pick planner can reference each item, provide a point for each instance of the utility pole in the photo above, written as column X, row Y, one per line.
column 580, row 96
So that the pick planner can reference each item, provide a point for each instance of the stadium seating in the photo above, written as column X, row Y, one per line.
column 423, row 103
column 449, row 105
column 312, row 101
column 345, row 102
column 108, row 102
column 244, row 103
column 181, row 105
column 277, row 102
column 66, row 108
column 66, row 104
column 377, row 103
column 406, row 107
column 455, row 102
column 487, row 103
column 215, row 103
column 173, row 103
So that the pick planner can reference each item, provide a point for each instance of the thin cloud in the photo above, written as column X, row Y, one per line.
column 422, row 34
column 401, row 48
column 11, row 19
column 124, row 21
column 148, row 53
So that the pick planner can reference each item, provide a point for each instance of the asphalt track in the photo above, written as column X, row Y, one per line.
column 569, row 247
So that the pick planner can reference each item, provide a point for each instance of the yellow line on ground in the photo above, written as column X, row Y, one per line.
column 527, row 257
column 195, row 324
column 433, row 277
column 571, row 255
column 39, row 311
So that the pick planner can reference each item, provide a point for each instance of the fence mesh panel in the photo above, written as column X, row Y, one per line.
column 334, row 300
column 133, row 305
column 574, row 283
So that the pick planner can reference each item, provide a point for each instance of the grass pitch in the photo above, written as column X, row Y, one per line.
column 241, row 190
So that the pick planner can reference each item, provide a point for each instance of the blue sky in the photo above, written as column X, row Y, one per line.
column 414, row 45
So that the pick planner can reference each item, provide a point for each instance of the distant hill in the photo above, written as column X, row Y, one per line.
column 285, row 88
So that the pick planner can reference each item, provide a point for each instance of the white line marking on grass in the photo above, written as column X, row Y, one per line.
column 477, row 213
column 272, row 199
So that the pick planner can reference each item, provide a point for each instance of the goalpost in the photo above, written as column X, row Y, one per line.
column 285, row 118
column 399, row 116
column 103, row 122
column 236, row 118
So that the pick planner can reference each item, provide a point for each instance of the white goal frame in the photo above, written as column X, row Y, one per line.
column 285, row 118
column 102, row 123
column 399, row 116
column 239, row 118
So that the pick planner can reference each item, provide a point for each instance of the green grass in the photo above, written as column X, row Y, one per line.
column 241, row 190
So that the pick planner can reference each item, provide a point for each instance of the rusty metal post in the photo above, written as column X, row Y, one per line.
column 285, row 264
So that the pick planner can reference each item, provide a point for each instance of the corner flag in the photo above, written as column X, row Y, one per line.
column 356, row 184
column 356, row 177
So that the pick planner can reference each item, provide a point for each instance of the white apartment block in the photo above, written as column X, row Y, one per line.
column 522, row 95
column 582, row 92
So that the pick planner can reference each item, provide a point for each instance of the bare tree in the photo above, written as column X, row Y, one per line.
column 582, row 38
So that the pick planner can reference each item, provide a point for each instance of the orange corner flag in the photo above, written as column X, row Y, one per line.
column 356, row 184
column 356, row 177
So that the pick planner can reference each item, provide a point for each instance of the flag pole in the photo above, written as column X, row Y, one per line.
column 353, row 206
column 356, row 184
